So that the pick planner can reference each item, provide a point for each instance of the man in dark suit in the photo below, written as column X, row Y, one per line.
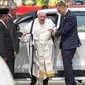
column 13, row 30
column 6, row 46
column 69, row 40
column 12, row 27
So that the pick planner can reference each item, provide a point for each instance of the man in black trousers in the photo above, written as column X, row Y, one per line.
column 69, row 40
column 13, row 31
column 6, row 46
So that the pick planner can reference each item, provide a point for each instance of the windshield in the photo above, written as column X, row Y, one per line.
column 81, row 23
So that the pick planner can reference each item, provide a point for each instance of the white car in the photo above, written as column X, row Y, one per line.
column 22, row 59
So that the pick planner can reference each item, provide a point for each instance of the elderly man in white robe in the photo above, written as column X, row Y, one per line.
column 43, row 46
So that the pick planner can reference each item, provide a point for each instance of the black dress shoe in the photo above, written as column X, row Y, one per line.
column 45, row 81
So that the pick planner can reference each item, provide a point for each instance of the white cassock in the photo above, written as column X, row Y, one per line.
column 5, row 74
column 42, row 59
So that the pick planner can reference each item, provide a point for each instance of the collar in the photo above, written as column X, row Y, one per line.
column 2, row 22
column 65, row 12
column 10, row 15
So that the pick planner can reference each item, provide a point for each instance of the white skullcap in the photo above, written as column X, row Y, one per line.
column 40, row 11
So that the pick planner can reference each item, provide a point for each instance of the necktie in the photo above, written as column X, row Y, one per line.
column 62, row 20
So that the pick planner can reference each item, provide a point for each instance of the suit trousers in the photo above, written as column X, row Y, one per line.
column 67, row 56
column 10, row 62
column 34, row 80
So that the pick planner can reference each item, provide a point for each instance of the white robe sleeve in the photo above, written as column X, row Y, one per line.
column 5, row 74
column 51, row 25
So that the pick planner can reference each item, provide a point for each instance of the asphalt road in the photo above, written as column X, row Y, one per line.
column 51, row 82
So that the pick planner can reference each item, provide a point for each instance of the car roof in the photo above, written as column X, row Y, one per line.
column 49, row 11
column 53, row 10
column 25, row 9
column 77, row 9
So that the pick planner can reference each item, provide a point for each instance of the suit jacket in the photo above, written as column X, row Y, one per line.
column 14, row 33
column 68, row 32
column 6, row 46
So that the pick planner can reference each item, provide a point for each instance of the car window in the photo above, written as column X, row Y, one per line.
column 54, row 17
column 81, row 23
column 80, row 20
column 25, row 17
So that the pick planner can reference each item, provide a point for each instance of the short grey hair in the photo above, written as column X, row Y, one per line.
column 12, row 5
column 61, row 3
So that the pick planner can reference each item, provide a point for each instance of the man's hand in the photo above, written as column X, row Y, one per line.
column 15, row 53
column 50, row 30
column 5, row 59
column 53, row 32
column 22, row 41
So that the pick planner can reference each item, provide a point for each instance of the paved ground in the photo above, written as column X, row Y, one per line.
column 51, row 82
